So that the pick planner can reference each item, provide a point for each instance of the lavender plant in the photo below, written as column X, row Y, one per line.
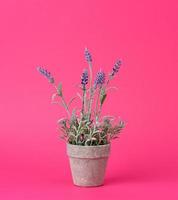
column 86, row 126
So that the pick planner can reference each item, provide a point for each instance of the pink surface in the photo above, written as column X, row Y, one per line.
column 53, row 33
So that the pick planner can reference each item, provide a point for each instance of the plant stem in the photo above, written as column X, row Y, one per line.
column 65, row 105
column 91, row 91
column 96, row 109
column 99, row 112
column 107, row 83
column 91, row 74
column 63, row 102
column 83, row 101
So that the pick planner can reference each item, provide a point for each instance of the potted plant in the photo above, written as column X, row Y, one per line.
column 87, row 133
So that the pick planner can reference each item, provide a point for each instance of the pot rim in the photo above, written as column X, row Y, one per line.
column 85, row 146
column 77, row 151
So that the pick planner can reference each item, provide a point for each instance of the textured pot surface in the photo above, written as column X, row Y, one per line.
column 88, row 164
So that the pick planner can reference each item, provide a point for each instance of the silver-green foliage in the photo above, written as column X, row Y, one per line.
column 83, row 132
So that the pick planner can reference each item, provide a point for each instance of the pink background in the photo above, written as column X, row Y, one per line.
column 53, row 33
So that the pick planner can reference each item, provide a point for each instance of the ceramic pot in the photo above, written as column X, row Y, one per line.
column 88, row 164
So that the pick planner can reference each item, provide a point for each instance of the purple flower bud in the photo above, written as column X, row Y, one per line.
column 116, row 67
column 100, row 79
column 88, row 56
column 46, row 74
column 84, row 78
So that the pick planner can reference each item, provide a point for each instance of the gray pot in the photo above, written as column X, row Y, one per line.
column 88, row 164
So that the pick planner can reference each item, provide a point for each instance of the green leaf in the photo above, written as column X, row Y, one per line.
column 87, row 142
column 59, row 89
column 102, row 96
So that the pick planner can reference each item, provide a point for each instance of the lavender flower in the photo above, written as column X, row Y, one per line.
column 84, row 78
column 46, row 74
column 88, row 56
column 116, row 67
column 100, row 79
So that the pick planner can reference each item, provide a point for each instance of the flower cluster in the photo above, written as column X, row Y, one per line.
column 46, row 74
column 100, row 79
column 116, row 67
column 84, row 78
column 88, row 56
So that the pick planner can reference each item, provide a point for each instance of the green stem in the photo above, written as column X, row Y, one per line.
column 83, row 101
column 91, row 74
column 91, row 91
column 107, row 83
column 99, row 112
column 65, row 105
column 63, row 102
column 96, row 109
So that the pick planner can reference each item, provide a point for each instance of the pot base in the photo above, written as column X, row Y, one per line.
column 88, row 172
